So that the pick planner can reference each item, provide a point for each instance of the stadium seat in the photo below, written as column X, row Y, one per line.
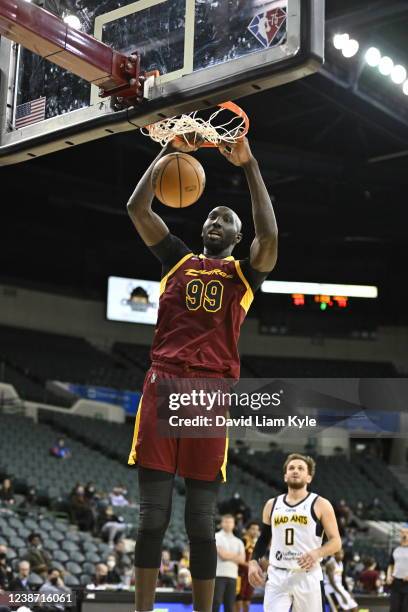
column 85, row 579
column 73, row 568
column 77, row 557
column 71, row 581
column 35, row 580
column 60, row 555
column 89, row 568
column 92, row 557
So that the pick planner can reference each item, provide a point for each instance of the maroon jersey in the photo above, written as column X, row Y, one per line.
column 203, row 303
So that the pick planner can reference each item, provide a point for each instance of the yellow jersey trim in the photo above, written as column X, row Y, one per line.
column 132, row 455
column 229, row 258
column 248, row 295
column 165, row 278
column 224, row 465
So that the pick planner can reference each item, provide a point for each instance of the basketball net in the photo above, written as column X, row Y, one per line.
column 200, row 132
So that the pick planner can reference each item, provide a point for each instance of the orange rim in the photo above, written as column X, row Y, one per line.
column 234, row 108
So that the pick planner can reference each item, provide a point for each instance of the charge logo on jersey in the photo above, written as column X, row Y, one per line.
column 300, row 519
column 215, row 272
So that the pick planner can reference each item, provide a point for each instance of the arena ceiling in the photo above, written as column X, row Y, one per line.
column 333, row 149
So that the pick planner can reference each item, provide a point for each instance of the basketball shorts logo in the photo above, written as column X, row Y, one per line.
column 279, row 556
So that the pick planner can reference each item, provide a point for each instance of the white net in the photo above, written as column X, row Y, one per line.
column 197, row 128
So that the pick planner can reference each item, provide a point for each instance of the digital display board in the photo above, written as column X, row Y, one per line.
column 132, row 300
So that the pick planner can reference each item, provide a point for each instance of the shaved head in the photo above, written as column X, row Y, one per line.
column 221, row 231
column 227, row 209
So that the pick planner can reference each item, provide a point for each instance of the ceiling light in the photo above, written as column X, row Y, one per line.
column 373, row 57
column 350, row 48
column 405, row 88
column 398, row 74
column 339, row 40
column 385, row 66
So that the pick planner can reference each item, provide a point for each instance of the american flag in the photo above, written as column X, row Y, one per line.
column 30, row 112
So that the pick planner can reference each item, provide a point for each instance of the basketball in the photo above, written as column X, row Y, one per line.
column 178, row 180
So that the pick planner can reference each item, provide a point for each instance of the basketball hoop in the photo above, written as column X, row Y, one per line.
column 211, row 132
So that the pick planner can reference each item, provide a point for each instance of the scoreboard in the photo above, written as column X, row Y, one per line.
column 331, row 309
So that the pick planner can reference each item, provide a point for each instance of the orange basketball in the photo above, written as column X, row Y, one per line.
column 178, row 180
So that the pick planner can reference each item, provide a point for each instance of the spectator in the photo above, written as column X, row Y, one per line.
column 239, row 524
column 360, row 511
column 90, row 492
column 81, row 509
column 374, row 511
column 123, row 561
column 7, row 493
column 184, row 579
column 113, row 576
column 100, row 579
column 231, row 553
column 111, row 526
column 167, row 574
column 29, row 503
column 369, row 578
column 236, row 505
column 117, row 497
column 185, row 558
column 60, row 451
column 21, row 581
column 6, row 573
column 54, row 585
column 38, row 558
column 397, row 575
column 343, row 511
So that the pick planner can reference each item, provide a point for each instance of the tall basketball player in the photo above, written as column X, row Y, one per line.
column 203, row 302
column 295, row 523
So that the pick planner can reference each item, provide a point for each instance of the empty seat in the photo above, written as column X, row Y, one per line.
column 73, row 568
column 60, row 555
column 71, row 581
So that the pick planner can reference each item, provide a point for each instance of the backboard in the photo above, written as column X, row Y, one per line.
column 206, row 51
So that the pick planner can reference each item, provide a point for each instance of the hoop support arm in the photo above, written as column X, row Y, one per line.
column 48, row 36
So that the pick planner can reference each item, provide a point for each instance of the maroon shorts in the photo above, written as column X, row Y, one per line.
column 246, row 591
column 201, row 458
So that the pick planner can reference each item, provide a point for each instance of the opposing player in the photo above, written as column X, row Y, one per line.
column 295, row 523
column 246, row 591
column 203, row 302
column 338, row 597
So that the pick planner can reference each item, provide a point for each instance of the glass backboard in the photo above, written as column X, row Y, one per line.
column 206, row 51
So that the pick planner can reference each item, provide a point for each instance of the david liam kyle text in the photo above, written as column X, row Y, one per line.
column 247, row 421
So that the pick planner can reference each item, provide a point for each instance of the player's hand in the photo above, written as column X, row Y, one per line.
column 308, row 560
column 238, row 153
column 390, row 580
column 256, row 576
column 188, row 143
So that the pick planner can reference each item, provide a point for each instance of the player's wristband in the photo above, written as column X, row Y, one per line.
column 262, row 542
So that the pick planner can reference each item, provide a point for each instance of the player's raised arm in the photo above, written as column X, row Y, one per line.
column 264, row 248
column 255, row 572
column 151, row 227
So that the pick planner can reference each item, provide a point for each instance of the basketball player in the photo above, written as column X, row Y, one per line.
column 295, row 523
column 338, row 597
column 245, row 589
column 204, row 300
